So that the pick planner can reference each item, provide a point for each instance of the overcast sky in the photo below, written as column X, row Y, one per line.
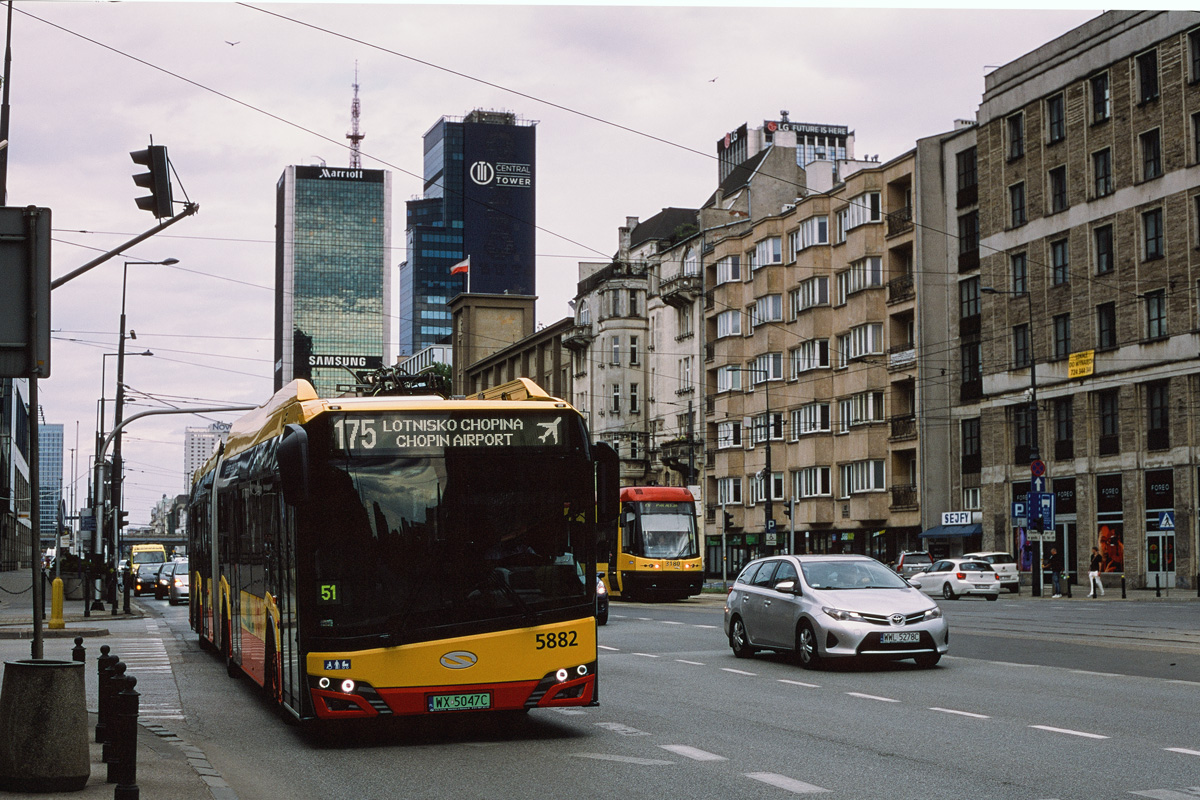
column 629, row 102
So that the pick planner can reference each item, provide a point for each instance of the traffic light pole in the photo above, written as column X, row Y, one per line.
column 188, row 210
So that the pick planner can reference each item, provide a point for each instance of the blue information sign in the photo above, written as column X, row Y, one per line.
column 1041, row 504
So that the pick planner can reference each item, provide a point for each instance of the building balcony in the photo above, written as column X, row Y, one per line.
column 578, row 337
column 680, row 290
column 903, row 427
column 904, row 498
column 682, row 455
column 900, row 221
column 900, row 289
column 902, row 355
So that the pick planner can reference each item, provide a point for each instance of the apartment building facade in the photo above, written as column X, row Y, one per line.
column 1086, row 298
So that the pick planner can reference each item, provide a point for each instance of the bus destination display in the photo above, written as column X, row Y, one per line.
column 393, row 433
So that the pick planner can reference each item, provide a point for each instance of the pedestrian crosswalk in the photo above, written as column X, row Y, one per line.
column 146, row 658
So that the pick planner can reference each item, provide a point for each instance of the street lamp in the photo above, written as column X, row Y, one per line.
column 1032, row 415
column 115, row 484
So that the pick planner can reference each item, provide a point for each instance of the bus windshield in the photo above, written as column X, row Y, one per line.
column 668, row 530
column 450, row 544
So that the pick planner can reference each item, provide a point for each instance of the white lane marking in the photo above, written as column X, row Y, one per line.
column 710, row 627
column 784, row 782
column 960, row 713
column 800, row 683
column 1097, row 674
column 570, row 712
column 693, row 753
column 693, row 663
column 1183, row 750
column 1069, row 732
column 873, row 697
column 624, row 730
column 606, row 647
column 738, row 671
column 1167, row 794
column 645, row 619
column 645, row 655
column 623, row 759
column 670, row 622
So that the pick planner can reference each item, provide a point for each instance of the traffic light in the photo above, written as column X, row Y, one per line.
column 728, row 520
column 157, row 180
column 122, row 519
column 787, row 511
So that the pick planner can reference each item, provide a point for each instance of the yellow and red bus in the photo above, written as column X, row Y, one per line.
column 655, row 550
column 366, row 557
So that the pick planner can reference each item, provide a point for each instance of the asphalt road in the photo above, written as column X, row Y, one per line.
column 1036, row 700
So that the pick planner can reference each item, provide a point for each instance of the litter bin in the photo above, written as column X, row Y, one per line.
column 43, row 727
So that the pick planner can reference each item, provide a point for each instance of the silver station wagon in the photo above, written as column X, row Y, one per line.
column 832, row 606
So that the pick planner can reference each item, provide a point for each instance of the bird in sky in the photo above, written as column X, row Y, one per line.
column 714, row 80
column 231, row 44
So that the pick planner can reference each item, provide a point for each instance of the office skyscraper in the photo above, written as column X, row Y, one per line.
column 332, row 275
column 50, row 480
column 478, row 203
column 198, row 446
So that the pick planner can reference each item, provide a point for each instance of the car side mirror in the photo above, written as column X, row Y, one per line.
column 787, row 587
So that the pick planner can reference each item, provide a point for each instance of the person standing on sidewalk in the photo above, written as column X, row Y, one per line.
column 1095, row 586
column 1055, row 564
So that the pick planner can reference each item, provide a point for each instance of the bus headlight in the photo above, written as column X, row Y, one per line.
column 562, row 675
column 323, row 683
column 347, row 686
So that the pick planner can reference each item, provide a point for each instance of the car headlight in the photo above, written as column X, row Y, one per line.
column 844, row 616
column 933, row 613
column 600, row 589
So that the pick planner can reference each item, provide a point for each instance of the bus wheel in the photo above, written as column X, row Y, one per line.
column 231, row 668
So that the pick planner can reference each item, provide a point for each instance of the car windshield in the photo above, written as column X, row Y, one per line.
column 850, row 575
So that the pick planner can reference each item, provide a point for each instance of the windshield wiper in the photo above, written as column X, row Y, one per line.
column 495, row 579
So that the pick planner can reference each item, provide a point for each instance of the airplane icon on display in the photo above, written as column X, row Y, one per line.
column 551, row 429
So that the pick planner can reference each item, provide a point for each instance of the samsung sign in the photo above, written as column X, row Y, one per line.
column 353, row 362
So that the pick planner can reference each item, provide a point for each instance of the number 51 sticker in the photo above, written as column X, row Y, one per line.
column 329, row 594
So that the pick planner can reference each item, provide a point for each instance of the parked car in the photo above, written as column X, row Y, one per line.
column 913, row 561
column 954, row 577
column 601, row 600
column 145, row 577
column 179, row 589
column 819, row 607
column 1005, row 566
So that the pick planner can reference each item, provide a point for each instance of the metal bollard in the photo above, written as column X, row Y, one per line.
column 116, row 684
column 1122, row 585
column 104, row 673
column 125, row 717
column 125, row 589
column 1157, row 587
column 78, row 652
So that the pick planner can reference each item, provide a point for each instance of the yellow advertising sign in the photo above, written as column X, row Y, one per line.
column 1081, row 365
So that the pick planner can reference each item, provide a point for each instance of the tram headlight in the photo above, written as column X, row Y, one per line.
column 347, row 686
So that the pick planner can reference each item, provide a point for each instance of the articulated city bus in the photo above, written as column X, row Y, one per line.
column 654, row 552
column 365, row 557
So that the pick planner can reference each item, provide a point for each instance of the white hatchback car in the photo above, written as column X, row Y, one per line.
column 832, row 606
column 1005, row 566
column 953, row 577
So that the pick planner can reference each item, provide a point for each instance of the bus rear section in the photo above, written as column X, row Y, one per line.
column 654, row 552
column 406, row 556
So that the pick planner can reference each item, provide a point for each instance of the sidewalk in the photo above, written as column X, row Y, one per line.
column 168, row 767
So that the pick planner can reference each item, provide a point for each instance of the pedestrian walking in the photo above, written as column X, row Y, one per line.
column 1055, row 565
column 1095, row 586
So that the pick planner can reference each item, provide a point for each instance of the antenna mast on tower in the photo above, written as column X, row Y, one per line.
column 354, row 135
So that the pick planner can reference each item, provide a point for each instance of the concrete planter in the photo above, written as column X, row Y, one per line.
column 43, row 727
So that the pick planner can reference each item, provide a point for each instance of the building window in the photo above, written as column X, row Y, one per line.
column 633, row 302
column 1016, row 204
column 729, row 323
column 1152, row 233
column 1151, row 155
column 685, row 375
column 1064, row 420
column 810, row 418
column 633, row 350
column 862, row 209
column 968, row 298
column 1056, row 119
column 775, row 422
column 1060, row 262
column 972, row 362
column 813, row 354
column 865, row 273
column 1019, row 264
column 812, row 482
column 767, row 309
column 1147, row 67
column 1194, row 55
column 729, row 269
column 971, row 460
column 812, row 231
column 864, row 340
column 729, row 379
column 972, row 499
column 1058, row 189
column 1022, row 433
column 968, row 232
column 1156, row 314
column 1101, row 100
column 691, row 262
column 1102, row 172
column 1062, row 335
column 967, row 164
column 729, row 434
column 1106, row 326
column 811, row 292
column 1158, row 416
column 768, row 251
column 633, row 398
column 1110, row 420
column 616, row 398
column 683, row 322
column 729, row 491
column 1020, row 337
column 862, row 476
column 767, row 367
column 616, row 350
column 1016, row 136
column 777, row 485
column 1102, row 238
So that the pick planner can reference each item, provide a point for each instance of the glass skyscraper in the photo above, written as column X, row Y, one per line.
column 332, row 275
column 478, row 202
column 50, row 480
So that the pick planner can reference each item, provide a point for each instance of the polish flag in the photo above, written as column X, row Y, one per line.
column 461, row 267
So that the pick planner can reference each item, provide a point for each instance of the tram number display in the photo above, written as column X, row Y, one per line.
column 551, row 641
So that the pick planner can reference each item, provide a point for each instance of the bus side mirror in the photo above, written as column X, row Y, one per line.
column 293, row 465
column 608, row 483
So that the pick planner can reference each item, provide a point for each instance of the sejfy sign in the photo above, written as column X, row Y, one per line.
column 406, row 433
